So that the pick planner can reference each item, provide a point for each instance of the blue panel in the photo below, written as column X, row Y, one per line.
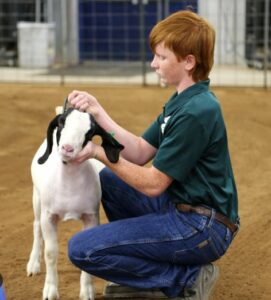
column 101, row 6
column 181, row 5
column 118, row 23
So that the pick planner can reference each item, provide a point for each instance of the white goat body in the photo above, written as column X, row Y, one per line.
column 64, row 190
column 68, row 190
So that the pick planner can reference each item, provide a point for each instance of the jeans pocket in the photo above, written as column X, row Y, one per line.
column 200, row 253
column 190, row 224
column 221, row 236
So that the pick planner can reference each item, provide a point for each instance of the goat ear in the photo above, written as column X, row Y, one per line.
column 53, row 124
column 111, row 146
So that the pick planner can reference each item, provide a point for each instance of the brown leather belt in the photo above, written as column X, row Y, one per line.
column 205, row 211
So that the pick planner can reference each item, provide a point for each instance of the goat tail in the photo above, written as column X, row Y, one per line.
column 53, row 124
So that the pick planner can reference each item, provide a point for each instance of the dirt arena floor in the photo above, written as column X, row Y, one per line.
column 25, row 111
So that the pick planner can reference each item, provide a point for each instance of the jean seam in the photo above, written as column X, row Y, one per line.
column 221, row 241
column 163, row 281
column 208, row 240
column 211, row 219
column 203, row 225
column 126, row 243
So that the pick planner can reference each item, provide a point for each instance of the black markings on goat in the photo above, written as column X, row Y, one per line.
column 111, row 146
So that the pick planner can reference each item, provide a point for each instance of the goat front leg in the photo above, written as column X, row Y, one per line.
column 33, row 265
column 87, row 290
column 49, row 232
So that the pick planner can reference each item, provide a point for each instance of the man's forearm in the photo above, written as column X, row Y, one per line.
column 133, row 151
column 147, row 180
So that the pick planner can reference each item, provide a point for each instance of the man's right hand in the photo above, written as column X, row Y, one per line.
column 83, row 101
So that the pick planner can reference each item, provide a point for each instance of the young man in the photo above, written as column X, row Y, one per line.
column 169, row 221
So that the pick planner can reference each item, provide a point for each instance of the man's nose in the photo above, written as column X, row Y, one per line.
column 154, row 63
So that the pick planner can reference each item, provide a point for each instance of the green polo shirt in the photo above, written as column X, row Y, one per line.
column 192, row 148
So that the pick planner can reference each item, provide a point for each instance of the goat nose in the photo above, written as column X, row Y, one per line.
column 67, row 148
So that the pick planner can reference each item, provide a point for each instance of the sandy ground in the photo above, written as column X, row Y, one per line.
column 25, row 111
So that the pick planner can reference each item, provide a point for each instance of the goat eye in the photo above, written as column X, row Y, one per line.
column 88, row 137
column 61, row 122
column 58, row 133
column 85, row 142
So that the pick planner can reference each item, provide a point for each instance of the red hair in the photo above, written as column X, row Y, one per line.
column 186, row 33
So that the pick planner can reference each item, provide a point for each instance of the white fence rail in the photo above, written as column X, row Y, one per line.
column 106, row 41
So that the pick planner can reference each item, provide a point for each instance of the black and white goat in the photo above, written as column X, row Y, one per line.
column 63, row 191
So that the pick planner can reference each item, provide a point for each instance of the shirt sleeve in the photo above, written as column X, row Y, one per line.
column 152, row 134
column 183, row 143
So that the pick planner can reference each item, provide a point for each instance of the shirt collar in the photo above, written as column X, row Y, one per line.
column 178, row 100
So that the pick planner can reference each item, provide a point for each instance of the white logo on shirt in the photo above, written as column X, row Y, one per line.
column 163, row 125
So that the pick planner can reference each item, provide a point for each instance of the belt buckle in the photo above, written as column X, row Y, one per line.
column 203, row 211
column 185, row 208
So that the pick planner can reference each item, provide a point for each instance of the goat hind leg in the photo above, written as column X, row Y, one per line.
column 87, row 291
column 33, row 265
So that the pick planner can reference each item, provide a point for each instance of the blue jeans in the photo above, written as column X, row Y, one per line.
column 147, row 243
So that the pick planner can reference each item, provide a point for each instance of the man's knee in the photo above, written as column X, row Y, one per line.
column 81, row 246
column 78, row 249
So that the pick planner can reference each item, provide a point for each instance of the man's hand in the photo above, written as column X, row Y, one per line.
column 84, row 102
column 89, row 151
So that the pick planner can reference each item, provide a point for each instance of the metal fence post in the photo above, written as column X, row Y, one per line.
column 37, row 11
column 266, row 42
column 142, row 40
column 166, row 8
column 50, row 9
column 63, row 12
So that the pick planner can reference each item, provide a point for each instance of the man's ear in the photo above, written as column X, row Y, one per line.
column 190, row 62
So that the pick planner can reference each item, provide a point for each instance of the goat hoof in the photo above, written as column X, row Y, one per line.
column 87, row 293
column 33, row 268
column 50, row 292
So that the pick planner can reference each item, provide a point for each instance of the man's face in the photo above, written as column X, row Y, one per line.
column 170, row 70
